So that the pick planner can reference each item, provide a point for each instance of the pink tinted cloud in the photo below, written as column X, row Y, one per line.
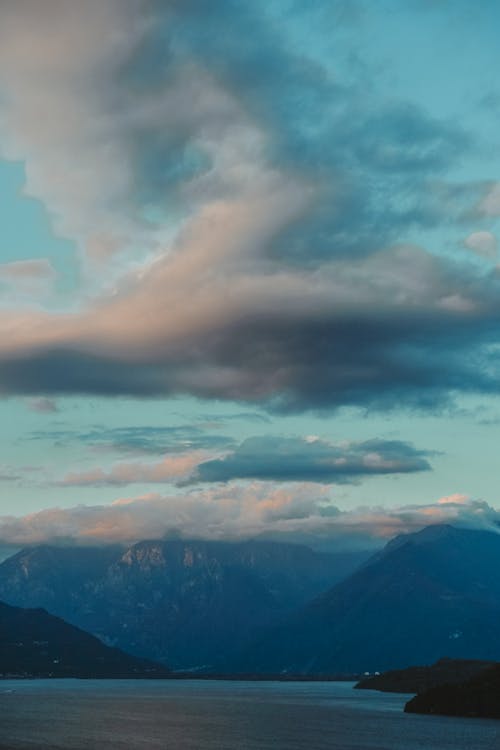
column 202, row 304
column 42, row 405
column 455, row 499
column 26, row 280
column 170, row 468
column 239, row 511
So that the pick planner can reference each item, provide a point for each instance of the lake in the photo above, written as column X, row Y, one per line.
column 209, row 715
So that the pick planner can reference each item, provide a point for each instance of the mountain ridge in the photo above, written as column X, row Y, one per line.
column 34, row 643
column 430, row 594
column 184, row 603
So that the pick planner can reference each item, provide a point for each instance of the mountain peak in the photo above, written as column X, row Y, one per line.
column 182, row 602
column 411, row 603
column 436, row 533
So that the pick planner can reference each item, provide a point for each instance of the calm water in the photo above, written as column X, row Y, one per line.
column 73, row 714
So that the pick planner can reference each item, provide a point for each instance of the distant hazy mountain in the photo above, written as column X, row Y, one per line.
column 187, row 604
column 426, row 595
column 34, row 643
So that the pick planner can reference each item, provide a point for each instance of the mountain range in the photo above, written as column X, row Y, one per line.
column 426, row 595
column 269, row 608
column 185, row 604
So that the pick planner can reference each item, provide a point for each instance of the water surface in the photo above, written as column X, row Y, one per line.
column 206, row 715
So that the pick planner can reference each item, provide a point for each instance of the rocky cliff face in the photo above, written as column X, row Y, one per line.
column 187, row 604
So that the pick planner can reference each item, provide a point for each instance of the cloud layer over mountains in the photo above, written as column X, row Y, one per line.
column 299, row 512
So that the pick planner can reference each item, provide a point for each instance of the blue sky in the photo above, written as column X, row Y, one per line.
column 249, row 271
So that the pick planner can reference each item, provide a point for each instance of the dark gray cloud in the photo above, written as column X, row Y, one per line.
column 8, row 476
column 312, row 460
column 296, row 360
column 290, row 285
column 376, row 159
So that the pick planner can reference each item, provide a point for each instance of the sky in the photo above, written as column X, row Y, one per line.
column 249, row 269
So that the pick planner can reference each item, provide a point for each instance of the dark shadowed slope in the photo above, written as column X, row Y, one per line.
column 187, row 604
column 478, row 697
column 419, row 679
column 34, row 643
column 426, row 595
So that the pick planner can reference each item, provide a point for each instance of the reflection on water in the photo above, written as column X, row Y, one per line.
column 199, row 715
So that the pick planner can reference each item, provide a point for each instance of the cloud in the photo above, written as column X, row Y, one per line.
column 312, row 460
column 301, row 513
column 140, row 438
column 42, row 405
column 483, row 243
column 26, row 270
column 57, row 63
column 490, row 204
column 265, row 458
column 171, row 469
column 251, row 210
column 400, row 327
column 8, row 475
column 25, row 280
column 215, row 513
column 455, row 499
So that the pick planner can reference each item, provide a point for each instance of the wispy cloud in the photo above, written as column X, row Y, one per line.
column 140, row 438
column 26, row 281
column 483, row 243
column 173, row 469
column 8, row 474
column 42, row 405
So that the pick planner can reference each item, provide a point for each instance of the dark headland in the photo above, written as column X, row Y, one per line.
column 34, row 643
column 421, row 678
column 478, row 697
